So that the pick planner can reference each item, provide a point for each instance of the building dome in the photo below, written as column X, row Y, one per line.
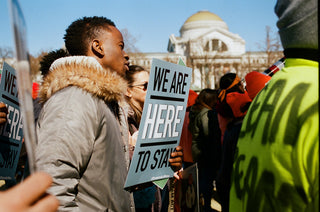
column 203, row 16
column 200, row 22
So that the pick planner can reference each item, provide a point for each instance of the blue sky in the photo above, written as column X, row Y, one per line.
column 150, row 22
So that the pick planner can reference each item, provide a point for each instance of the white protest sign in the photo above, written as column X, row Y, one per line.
column 161, row 122
column 11, row 133
column 24, row 80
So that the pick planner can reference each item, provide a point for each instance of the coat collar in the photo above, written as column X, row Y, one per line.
column 85, row 73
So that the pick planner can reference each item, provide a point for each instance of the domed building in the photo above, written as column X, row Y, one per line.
column 210, row 49
column 208, row 33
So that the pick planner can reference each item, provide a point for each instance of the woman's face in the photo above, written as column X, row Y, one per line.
column 138, row 90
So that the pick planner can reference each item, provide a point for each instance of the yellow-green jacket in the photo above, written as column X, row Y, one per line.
column 276, row 165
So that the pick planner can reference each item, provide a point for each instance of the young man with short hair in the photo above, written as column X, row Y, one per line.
column 82, row 131
column 82, row 136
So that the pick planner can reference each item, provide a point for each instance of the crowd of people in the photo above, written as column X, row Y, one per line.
column 255, row 140
column 269, row 126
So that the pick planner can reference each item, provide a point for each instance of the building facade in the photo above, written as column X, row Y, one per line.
column 210, row 49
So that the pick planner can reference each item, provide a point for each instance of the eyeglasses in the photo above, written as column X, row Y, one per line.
column 145, row 86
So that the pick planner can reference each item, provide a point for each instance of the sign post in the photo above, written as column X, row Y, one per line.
column 24, row 80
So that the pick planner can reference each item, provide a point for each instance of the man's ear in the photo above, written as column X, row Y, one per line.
column 97, row 48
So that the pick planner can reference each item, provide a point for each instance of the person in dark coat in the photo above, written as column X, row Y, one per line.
column 205, row 142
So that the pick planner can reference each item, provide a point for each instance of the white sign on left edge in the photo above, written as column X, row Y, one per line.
column 11, row 132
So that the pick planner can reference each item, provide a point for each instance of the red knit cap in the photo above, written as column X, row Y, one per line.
column 255, row 81
column 238, row 102
column 192, row 98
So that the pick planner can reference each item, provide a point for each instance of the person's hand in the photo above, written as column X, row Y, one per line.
column 132, row 143
column 177, row 175
column 176, row 159
column 133, row 139
column 29, row 196
column 3, row 113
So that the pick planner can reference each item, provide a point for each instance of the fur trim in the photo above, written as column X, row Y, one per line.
column 86, row 73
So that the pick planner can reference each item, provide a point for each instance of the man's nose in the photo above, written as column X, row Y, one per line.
column 126, row 56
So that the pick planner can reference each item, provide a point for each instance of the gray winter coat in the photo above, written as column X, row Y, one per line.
column 79, row 137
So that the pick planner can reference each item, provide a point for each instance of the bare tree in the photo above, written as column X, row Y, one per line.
column 130, row 41
column 35, row 65
column 6, row 52
column 272, row 47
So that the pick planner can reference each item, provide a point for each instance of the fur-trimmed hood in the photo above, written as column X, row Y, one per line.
column 86, row 73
